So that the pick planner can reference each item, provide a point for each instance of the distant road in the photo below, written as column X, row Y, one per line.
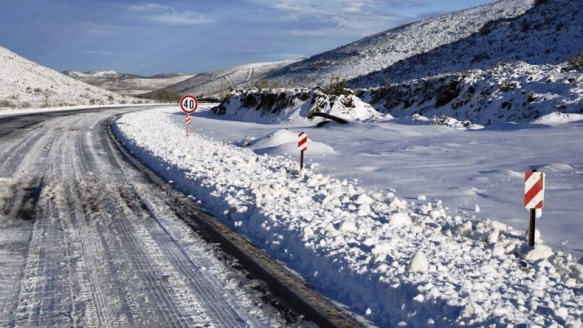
column 87, row 240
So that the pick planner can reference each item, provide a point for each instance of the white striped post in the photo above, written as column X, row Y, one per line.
column 534, row 194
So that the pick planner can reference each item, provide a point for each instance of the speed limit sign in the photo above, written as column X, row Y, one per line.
column 188, row 104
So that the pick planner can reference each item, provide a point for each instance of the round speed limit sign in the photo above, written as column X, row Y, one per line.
column 188, row 104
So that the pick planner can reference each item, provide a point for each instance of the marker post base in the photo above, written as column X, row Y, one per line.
column 532, row 228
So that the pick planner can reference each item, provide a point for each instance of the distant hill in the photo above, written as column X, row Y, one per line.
column 217, row 84
column 128, row 84
column 25, row 84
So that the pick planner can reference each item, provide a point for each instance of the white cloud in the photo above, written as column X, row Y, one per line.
column 100, row 53
column 340, row 17
column 285, row 56
column 95, row 29
column 169, row 15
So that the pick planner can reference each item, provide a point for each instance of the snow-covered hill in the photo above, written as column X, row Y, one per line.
column 386, row 48
column 25, row 84
column 217, row 84
column 128, row 84
column 512, row 70
column 551, row 32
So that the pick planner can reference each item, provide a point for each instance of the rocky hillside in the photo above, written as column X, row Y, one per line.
column 517, row 92
column 279, row 105
column 511, row 70
column 25, row 84
column 128, row 84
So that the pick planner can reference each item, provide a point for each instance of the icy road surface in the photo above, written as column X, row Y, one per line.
column 86, row 241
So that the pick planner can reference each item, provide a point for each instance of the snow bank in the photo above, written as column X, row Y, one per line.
column 385, row 258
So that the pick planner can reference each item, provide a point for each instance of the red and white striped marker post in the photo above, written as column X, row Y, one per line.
column 187, row 124
column 303, row 146
column 534, row 194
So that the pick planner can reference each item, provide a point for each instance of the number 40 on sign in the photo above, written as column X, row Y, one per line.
column 188, row 104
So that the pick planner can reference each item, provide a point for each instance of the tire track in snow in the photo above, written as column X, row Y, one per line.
column 146, row 264
column 88, row 163
column 14, row 154
column 18, row 196
column 217, row 307
column 188, row 259
column 50, row 284
column 222, row 311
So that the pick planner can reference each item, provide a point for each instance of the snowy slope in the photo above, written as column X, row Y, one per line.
column 384, row 49
column 25, row 84
column 511, row 70
column 128, row 84
column 550, row 33
column 394, row 260
column 217, row 84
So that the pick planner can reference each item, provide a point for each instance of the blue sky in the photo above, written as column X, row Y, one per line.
column 152, row 37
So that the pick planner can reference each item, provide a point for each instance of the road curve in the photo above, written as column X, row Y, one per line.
column 87, row 240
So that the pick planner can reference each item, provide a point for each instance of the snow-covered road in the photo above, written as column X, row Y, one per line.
column 85, row 240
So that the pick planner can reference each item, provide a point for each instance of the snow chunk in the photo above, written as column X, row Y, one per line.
column 539, row 252
column 400, row 219
column 380, row 252
column 348, row 226
column 308, row 232
column 364, row 199
column 418, row 263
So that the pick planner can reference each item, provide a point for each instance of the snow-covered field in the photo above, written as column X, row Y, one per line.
column 402, row 221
